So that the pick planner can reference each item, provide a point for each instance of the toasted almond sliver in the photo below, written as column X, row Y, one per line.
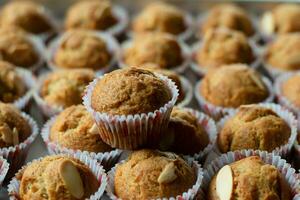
column 168, row 174
column 15, row 134
column 94, row 129
column 6, row 134
column 267, row 23
column 224, row 183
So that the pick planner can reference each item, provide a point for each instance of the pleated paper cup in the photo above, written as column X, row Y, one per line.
column 217, row 112
column 4, row 166
column 296, row 152
column 94, row 166
column 106, row 159
column 132, row 131
column 187, row 91
column 288, row 173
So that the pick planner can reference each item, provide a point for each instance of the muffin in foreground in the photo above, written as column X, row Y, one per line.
column 249, row 178
column 150, row 174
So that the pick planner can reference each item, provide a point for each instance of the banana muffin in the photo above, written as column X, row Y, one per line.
column 12, row 86
column 90, row 14
column 249, row 178
column 151, row 174
column 223, row 46
column 232, row 86
column 284, row 52
column 57, row 177
column 14, row 128
column 65, row 88
column 160, row 17
column 74, row 128
column 185, row 133
column 228, row 16
column 282, row 19
column 290, row 89
column 253, row 127
column 159, row 48
column 27, row 15
column 82, row 49
column 129, row 91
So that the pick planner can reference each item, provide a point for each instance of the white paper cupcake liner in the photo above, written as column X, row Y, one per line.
column 284, row 114
column 185, row 54
column 16, row 155
column 288, row 173
column 106, row 159
column 217, row 112
column 112, row 47
column 123, row 21
column 4, row 166
column 95, row 167
column 132, row 131
column 192, row 193
column 187, row 90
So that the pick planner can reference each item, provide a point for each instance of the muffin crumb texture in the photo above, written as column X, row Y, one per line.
column 291, row 89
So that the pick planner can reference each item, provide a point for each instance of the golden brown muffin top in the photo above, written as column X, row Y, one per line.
column 14, row 128
column 75, row 128
column 291, row 89
column 27, row 15
column 66, row 87
column 16, row 48
column 284, row 52
column 253, row 127
column 90, row 14
column 160, row 17
column 228, row 16
column 57, row 177
column 158, row 48
column 232, row 86
column 130, row 91
column 223, row 46
column 186, row 133
column 82, row 49
column 151, row 174
column 252, row 179
column 12, row 86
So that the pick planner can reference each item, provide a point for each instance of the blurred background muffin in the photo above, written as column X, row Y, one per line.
column 290, row 89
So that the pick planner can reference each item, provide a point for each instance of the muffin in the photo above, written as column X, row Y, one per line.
column 282, row 19
column 159, row 48
column 150, row 174
column 27, row 15
column 160, row 17
column 82, row 49
column 65, row 88
column 129, row 91
column 228, row 16
column 249, row 178
column 186, row 135
column 253, row 127
column 290, row 89
column 17, row 49
column 232, row 86
column 14, row 128
column 223, row 46
column 284, row 53
column 57, row 177
column 12, row 86
column 74, row 128
column 90, row 14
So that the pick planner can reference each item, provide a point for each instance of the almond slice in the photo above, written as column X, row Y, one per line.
column 224, row 183
column 6, row 134
column 257, row 81
column 94, row 129
column 15, row 136
column 267, row 23
column 168, row 174
column 72, row 179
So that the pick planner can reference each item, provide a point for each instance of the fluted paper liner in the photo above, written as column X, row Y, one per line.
column 187, row 90
column 4, row 166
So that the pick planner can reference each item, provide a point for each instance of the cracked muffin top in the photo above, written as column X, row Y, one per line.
column 130, row 91
column 14, row 128
column 65, row 87
column 57, row 177
column 185, row 133
column 232, row 86
column 151, row 174
column 249, row 178
column 158, row 48
column 253, row 127
column 223, row 46
column 284, row 52
column 12, row 86
column 75, row 128
column 27, row 15
column 90, row 14
column 160, row 17
column 291, row 89
column 82, row 49
column 228, row 16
